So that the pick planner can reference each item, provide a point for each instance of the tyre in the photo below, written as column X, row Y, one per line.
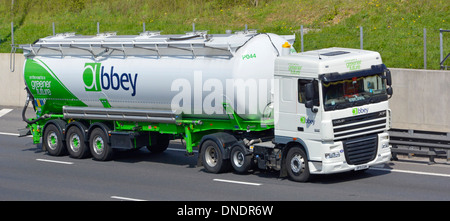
column 52, row 141
column 297, row 165
column 212, row 157
column 159, row 143
column 75, row 143
column 98, row 144
column 240, row 162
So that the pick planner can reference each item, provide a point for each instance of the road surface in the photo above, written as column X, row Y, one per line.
column 29, row 174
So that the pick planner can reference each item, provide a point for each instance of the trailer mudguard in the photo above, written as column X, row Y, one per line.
column 60, row 124
column 103, row 126
column 224, row 140
column 81, row 126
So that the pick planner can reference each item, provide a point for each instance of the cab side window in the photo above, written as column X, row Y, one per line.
column 302, row 92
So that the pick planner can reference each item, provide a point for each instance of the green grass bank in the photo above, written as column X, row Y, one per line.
column 393, row 27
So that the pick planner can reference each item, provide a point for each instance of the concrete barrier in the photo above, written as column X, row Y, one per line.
column 12, row 84
column 421, row 98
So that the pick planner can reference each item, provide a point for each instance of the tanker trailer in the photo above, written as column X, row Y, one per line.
column 219, row 93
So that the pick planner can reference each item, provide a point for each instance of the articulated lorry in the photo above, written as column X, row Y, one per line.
column 244, row 101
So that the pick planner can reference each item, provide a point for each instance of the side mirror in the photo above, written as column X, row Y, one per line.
column 309, row 91
column 388, row 77
column 309, row 95
column 389, row 91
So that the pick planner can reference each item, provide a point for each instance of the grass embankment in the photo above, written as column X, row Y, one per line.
column 392, row 27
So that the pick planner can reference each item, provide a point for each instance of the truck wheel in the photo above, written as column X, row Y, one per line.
column 297, row 164
column 52, row 141
column 98, row 144
column 161, row 144
column 212, row 157
column 75, row 143
column 240, row 162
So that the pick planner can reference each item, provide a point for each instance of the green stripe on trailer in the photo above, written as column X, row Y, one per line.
column 45, row 85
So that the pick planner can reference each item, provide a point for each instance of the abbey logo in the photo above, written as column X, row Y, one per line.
column 91, row 77
column 307, row 121
column 361, row 110
column 96, row 79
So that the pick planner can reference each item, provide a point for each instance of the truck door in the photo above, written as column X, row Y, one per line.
column 292, row 118
column 309, row 120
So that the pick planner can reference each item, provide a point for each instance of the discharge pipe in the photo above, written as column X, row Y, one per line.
column 29, row 98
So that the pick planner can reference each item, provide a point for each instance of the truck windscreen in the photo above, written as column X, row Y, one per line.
column 355, row 91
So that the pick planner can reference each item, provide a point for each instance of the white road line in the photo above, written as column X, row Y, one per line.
column 4, row 111
column 54, row 161
column 237, row 182
column 9, row 134
column 13, row 134
column 126, row 198
column 412, row 172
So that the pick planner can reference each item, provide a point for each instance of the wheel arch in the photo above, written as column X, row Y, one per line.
column 224, row 140
column 60, row 124
column 80, row 126
column 106, row 129
column 296, row 143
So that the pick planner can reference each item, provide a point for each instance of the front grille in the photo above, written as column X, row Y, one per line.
column 359, row 125
column 360, row 150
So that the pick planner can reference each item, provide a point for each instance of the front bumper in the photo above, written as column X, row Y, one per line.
column 338, row 162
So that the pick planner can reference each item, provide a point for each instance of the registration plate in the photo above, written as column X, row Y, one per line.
column 361, row 167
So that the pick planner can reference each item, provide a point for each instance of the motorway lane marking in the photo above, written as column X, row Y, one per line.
column 126, row 198
column 4, row 111
column 54, row 161
column 13, row 134
column 412, row 172
column 9, row 134
column 237, row 182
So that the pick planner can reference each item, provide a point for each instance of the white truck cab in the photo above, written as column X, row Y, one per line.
column 332, row 104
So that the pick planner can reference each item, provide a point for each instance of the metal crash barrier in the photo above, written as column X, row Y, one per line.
column 422, row 143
